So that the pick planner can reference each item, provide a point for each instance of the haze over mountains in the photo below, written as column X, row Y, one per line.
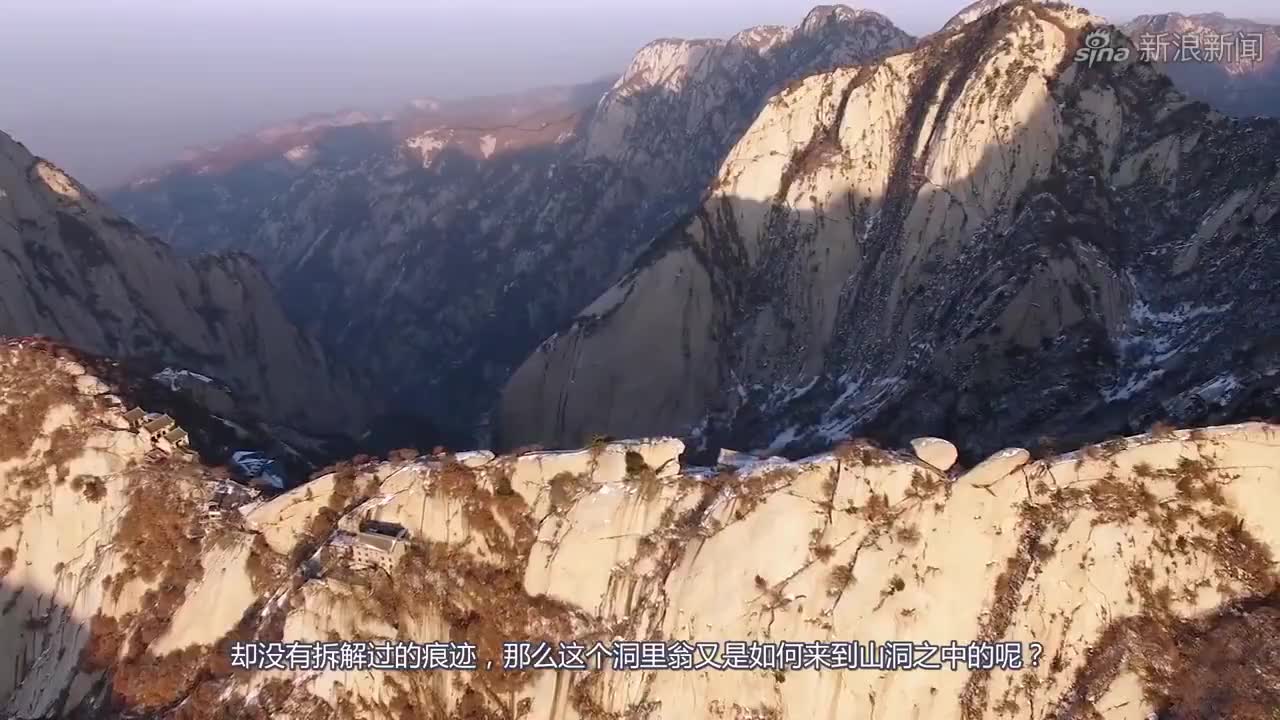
column 779, row 242
column 1234, row 87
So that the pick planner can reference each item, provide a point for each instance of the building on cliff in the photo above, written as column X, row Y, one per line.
column 375, row 545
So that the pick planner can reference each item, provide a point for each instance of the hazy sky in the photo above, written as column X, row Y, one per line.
column 105, row 87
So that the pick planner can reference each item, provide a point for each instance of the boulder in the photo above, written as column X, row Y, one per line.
column 73, row 369
column 90, row 385
column 935, row 451
column 997, row 466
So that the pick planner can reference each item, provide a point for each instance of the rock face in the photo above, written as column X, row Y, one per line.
column 74, row 270
column 1136, row 566
column 980, row 240
column 455, row 244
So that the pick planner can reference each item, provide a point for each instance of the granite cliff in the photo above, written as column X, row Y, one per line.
column 980, row 239
column 1144, row 569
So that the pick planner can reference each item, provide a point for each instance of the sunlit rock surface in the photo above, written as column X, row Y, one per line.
column 1136, row 565
column 979, row 239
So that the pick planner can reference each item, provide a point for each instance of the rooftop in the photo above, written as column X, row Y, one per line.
column 162, row 422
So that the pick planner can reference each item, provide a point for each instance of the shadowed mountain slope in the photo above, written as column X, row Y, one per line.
column 74, row 270
column 438, row 261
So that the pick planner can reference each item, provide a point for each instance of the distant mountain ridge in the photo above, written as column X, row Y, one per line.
column 266, row 142
column 1233, row 85
column 193, row 202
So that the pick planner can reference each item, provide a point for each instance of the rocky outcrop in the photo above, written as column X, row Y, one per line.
column 1127, row 572
column 979, row 239
column 452, row 251
column 74, row 270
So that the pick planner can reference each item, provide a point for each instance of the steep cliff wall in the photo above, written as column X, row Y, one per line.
column 978, row 239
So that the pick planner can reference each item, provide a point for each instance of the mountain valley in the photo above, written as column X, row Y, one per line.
column 470, row 241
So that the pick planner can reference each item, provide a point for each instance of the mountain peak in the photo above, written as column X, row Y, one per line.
column 787, row 242
column 977, row 9
column 762, row 37
column 828, row 14
column 670, row 62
